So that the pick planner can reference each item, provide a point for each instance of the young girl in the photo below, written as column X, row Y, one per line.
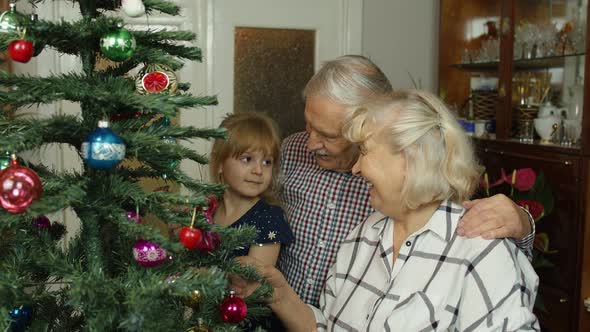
column 247, row 162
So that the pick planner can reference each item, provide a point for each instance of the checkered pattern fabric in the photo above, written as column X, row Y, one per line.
column 439, row 281
column 322, row 208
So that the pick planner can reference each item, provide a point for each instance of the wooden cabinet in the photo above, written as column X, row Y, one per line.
column 486, row 41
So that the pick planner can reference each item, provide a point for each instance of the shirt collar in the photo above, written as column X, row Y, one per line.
column 443, row 222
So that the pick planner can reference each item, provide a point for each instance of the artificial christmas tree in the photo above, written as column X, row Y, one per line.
column 118, row 273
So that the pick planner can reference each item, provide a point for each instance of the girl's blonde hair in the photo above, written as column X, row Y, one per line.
column 440, row 160
column 248, row 131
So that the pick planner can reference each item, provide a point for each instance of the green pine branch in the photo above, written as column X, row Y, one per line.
column 117, row 92
column 73, row 37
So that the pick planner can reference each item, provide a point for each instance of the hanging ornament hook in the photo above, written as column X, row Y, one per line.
column 193, row 219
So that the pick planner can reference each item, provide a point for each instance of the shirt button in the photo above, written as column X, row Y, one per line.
column 408, row 243
column 322, row 244
column 331, row 205
column 310, row 281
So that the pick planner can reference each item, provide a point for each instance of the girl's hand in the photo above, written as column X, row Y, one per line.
column 241, row 286
column 268, row 272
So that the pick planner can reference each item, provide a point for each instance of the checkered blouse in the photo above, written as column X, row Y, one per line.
column 440, row 281
column 322, row 208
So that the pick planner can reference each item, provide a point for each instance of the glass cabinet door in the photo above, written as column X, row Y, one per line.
column 469, row 71
column 548, row 69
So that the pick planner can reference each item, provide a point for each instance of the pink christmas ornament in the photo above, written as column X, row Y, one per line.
column 148, row 254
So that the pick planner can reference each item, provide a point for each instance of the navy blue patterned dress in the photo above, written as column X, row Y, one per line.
column 272, row 227
column 270, row 222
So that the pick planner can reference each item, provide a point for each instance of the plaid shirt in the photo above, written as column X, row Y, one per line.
column 440, row 281
column 322, row 208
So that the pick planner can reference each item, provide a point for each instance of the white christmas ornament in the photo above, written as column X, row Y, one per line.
column 133, row 8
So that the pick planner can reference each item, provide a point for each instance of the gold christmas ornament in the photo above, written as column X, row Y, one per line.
column 193, row 300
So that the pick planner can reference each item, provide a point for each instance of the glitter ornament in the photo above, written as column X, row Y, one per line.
column 233, row 309
column 11, row 21
column 19, row 187
column 148, row 254
column 118, row 45
column 103, row 149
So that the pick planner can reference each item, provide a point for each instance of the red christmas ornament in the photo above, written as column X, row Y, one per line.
column 156, row 78
column 209, row 242
column 19, row 187
column 155, row 82
column 233, row 309
column 190, row 237
column 125, row 116
column 209, row 210
column 21, row 50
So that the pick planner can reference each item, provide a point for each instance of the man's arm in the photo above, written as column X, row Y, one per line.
column 498, row 217
column 495, row 217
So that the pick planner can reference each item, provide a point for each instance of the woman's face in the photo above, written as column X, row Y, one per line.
column 385, row 173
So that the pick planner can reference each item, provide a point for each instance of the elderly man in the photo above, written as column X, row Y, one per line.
column 324, row 201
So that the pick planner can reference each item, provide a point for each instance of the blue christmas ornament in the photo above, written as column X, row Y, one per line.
column 21, row 318
column 103, row 149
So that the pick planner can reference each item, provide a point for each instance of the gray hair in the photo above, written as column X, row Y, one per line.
column 350, row 80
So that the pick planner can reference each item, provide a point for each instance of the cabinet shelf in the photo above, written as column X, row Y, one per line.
column 564, row 80
column 536, row 146
column 521, row 64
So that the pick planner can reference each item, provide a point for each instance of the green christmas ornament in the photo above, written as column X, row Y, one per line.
column 118, row 45
column 4, row 160
column 11, row 21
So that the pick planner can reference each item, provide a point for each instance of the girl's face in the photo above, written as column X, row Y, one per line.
column 248, row 175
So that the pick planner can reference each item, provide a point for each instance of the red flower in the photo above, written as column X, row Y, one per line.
column 525, row 179
column 535, row 208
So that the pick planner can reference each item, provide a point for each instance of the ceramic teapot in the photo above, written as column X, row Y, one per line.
column 547, row 127
column 548, row 109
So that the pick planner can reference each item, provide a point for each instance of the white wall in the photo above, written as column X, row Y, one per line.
column 401, row 36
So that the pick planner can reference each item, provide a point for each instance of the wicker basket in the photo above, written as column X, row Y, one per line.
column 526, row 113
column 484, row 104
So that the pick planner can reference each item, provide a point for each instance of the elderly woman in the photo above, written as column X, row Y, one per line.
column 405, row 268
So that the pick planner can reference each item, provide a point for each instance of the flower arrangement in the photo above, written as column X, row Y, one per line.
column 530, row 191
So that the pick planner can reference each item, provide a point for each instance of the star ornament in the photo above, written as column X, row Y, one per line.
column 272, row 235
